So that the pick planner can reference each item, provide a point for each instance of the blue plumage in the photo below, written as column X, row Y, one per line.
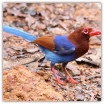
column 56, row 58
column 63, row 46
column 27, row 36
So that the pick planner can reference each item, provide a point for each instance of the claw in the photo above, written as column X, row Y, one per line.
column 71, row 80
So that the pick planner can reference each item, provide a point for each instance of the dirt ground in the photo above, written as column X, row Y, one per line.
column 29, row 82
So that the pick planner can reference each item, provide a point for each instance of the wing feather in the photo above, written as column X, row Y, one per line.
column 58, row 44
column 46, row 41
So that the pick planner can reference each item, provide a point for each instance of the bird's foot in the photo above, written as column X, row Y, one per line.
column 71, row 80
column 60, row 81
column 57, row 77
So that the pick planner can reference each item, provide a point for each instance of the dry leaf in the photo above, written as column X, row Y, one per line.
column 30, row 20
column 16, row 12
column 41, row 26
column 32, row 11
column 56, row 30
column 64, row 25
column 73, row 69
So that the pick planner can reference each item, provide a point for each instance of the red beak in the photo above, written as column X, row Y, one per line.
column 94, row 32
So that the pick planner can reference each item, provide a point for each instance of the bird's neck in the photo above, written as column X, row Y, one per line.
column 82, row 44
column 77, row 39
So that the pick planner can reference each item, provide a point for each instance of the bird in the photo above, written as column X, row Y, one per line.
column 60, row 48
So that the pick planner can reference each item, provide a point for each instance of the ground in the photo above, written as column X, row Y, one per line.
column 28, row 82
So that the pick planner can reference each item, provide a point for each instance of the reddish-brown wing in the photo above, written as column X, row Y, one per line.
column 46, row 41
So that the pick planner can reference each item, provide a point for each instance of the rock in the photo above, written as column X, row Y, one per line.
column 66, row 17
column 33, row 66
column 25, row 60
column 32, row 50
column 19, row 24
column 73, row 69
column 91, row 59
column 97, row 59
column 94, row 40
column 78, row 88
column 17, row 48
column 79, row 97
column 32, row 11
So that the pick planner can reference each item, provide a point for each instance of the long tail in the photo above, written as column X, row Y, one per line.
column 27, row 36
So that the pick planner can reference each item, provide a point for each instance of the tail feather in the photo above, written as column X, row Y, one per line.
column 27, row 36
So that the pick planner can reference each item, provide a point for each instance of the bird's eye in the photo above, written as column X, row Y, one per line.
column 85, row 31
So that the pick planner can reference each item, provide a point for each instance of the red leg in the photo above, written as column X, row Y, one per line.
column 57, row 78
column 70, row 79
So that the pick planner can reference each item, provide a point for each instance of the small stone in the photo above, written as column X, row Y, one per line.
column 32, row 11
column 66, row 17
column 79, row 88
column 32, row 50
column 79, row 97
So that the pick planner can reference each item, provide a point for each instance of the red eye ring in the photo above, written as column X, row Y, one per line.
column 85, row 30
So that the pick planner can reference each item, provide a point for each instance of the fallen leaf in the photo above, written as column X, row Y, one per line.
column 41, row 26
column 56, row 30
column 45, row 14
column 54, row 22
column 16, row 12
column 80, row 20
column 50, row 8
column 73, row 69
column 64, row 25
column 30, row 20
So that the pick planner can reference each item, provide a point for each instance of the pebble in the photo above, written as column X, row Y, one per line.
column 32, row 50
column 79, row 97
